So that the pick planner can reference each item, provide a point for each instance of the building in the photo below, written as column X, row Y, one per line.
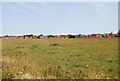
column 63, row 36
column 9, row 37
column 96, row 35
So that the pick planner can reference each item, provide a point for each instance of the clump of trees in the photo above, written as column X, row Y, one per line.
column 71, row 36
column 31, row 35
column 52, row 36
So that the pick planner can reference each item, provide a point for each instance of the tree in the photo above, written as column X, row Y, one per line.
column 31, row 35
column 71, row 36
column 41, row 35
column 51, row 35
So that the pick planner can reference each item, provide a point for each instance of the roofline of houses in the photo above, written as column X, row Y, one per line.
column 59, row 36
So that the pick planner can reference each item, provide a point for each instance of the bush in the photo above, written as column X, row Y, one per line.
column 55, row 44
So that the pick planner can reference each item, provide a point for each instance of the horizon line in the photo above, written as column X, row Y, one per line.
column 55, row 34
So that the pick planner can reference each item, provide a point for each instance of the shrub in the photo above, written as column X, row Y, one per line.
column 55, row 44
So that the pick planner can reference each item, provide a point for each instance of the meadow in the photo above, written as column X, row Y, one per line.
column 83, row 58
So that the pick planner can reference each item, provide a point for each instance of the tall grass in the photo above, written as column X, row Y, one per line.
column 85, row 58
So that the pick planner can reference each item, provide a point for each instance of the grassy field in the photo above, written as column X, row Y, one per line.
column 84, row 58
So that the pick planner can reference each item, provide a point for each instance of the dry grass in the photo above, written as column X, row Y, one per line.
column 84, row 58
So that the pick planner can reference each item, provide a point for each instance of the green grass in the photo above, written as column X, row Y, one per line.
column 84, row 58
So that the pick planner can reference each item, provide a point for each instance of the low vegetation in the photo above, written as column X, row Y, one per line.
column 83, row 58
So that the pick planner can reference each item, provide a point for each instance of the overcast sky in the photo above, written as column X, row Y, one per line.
column 59, row 17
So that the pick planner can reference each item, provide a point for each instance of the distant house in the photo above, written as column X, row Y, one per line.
column 83, row 36
column 63, row 36
column 96, row 35
column 45, row 37
column 9, row 37
column 77, row 36
column 41, row 37
column 26, row 37
column 20, row 37
column 109, row 35
column 88, row 35
column 113, row 35
column 50, row 37
column 106, row 34
column 56, row 37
